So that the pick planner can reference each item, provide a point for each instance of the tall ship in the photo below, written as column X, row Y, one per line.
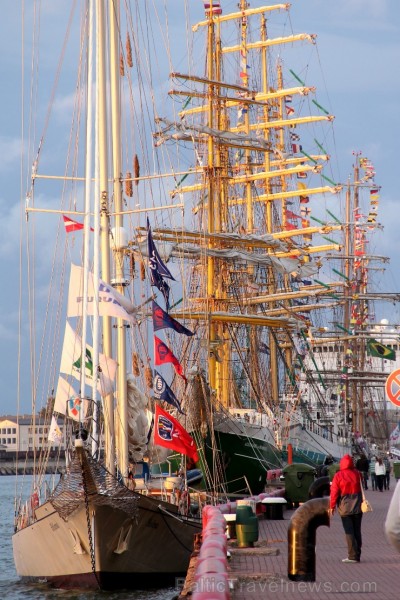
column 354, row 355
column 249, row 246
column 103, row 524
column 181, row 309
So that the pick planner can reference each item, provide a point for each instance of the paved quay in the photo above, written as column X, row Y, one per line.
column 262, row 573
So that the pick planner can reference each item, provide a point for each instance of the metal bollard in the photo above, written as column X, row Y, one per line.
column 319, row 488
column 302, row 537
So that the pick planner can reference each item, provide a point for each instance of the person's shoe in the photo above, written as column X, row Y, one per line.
column 349, row 560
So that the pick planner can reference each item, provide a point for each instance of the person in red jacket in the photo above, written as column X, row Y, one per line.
column 347, row 497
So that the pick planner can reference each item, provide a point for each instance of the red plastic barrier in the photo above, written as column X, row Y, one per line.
column 211, row 565
column 216, row 541
column 211, row 577
column 214, row 586
column 213, row 552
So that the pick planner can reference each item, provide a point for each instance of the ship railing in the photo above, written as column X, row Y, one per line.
column 321, row 430
column 25, row 513
column 256, row 418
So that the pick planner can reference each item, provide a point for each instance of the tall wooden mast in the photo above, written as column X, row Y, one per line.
column 108, row 403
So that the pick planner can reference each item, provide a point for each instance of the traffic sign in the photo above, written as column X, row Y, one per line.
column 392, row 387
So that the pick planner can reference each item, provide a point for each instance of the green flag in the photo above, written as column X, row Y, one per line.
column 88, row 362
column 375, row 348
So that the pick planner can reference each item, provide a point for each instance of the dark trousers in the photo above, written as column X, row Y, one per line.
column 373, row 481
column 380, row 481
column 387, row 481
column 352, row 529
column 364, row 475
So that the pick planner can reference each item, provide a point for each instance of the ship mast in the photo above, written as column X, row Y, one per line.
column 211, row 221
column 119, row 281
column 273, row 365
column 347, row 297
column 247, row 184
column 108, row 401
column 358, row 269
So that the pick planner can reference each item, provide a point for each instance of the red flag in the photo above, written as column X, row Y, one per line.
column 169, row 433
column 214, row 7
column 162, row 354
column 290, row 226
column 291, row 215
column 71, row 225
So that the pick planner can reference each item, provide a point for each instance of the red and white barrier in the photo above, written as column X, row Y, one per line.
column 211, row 580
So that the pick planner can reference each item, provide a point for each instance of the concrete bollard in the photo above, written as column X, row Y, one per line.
column 302, row 538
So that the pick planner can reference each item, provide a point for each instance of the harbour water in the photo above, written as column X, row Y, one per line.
column 11, row 588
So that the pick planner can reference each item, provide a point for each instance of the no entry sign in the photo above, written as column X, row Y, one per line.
column 392, row 387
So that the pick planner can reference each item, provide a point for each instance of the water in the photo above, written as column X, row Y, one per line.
column 11, row 588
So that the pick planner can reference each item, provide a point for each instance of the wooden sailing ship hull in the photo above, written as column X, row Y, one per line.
column 124, row 552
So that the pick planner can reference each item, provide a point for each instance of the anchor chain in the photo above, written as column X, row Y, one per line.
column 89, row 528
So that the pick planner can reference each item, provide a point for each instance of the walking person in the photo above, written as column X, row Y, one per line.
column 372, row 463
column 346, row 496
column 380, row 473
column 392, row 523
column 388, row 467
column 362, row 465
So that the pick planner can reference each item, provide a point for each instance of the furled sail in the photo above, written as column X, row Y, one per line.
column 138, row 422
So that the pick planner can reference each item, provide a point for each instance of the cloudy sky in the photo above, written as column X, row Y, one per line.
column 357, row 54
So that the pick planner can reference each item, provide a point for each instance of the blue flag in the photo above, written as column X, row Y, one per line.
column 158, row 270
column 162, row 320
column 162, row 391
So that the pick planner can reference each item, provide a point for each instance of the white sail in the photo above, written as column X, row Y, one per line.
column 71, row 361
column 138, row 424
column 111, row 303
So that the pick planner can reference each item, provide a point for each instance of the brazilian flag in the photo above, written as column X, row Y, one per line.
column 375, row 348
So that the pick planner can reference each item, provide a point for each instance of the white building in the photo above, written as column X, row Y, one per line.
column 19, row 434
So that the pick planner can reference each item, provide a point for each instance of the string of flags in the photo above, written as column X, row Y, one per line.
column 368, row 168
column 369, row 174
column 168, row 432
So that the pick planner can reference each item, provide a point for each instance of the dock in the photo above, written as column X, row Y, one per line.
column 377, row 576
column 27, row 467
column 262, row 572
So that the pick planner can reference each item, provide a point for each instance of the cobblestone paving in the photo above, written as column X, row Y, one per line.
column 376, row 577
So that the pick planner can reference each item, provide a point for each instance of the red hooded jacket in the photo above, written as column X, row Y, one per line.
column 346, row 488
